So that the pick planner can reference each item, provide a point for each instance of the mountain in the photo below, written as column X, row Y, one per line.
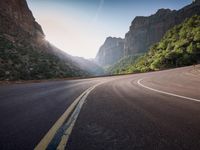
column 24, row 52
column 146, row 31
column 111, row 51
column 179, row 47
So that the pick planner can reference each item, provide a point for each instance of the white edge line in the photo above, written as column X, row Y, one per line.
column 167, row 93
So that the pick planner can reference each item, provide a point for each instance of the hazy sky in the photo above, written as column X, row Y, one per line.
column 80, row 27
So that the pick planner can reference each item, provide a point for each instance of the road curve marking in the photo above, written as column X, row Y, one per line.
column 167, row 93
column 43, row 144
column 71, row 121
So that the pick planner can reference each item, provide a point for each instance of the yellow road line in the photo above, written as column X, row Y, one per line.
column 68, row 131
column 43, row 144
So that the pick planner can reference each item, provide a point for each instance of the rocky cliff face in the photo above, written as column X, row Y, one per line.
column 145, row 31
column 24, row 53
column 111, row 51
column 15, row 18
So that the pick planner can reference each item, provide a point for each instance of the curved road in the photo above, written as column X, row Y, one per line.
column 158, row 110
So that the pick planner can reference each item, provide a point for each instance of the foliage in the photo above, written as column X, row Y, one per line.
column 122, row 65
column 26, row 62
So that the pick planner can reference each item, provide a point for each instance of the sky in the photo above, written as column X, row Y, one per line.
column 80, row 27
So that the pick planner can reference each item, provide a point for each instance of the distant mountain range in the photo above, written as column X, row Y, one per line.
column 143, row 33
column 26, row 55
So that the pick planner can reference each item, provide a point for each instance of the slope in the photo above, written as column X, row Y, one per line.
column 179, row 47
column 24, row 52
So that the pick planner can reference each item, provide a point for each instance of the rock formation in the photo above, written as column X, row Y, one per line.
column 111, row 51
column 15, row 18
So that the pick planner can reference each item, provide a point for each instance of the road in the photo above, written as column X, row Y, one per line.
column 157, row 110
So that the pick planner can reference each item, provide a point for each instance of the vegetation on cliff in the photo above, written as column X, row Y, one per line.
column 179, row 47
column 123, row 64
column 24, row 62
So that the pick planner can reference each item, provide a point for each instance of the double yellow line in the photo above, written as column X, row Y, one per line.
column 77, row 104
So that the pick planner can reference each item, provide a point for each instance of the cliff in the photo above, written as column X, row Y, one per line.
column 111, row 51
column 15, row 18
column 145, row 31
column 179, row 47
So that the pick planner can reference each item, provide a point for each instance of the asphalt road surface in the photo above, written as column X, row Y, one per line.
column 158, row 110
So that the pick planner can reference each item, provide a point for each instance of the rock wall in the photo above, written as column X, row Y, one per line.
column 111, row 51
column 16, row 16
